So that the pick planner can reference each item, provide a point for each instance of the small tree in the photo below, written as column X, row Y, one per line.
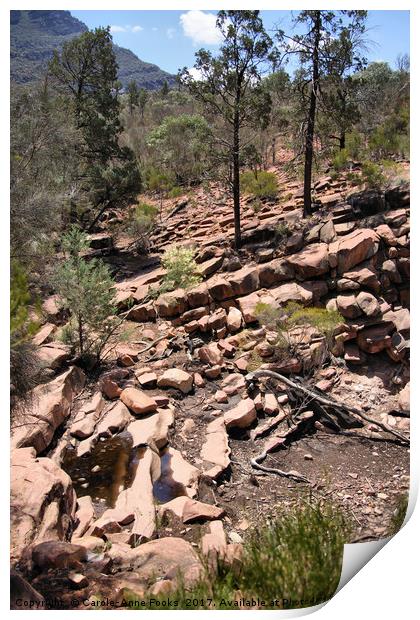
column 133, row 95
column 231, row 86
column 85, row 288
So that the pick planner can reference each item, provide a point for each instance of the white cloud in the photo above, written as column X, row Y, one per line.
column 127, row 28
column 117, row 29
column 200, row 27
column 196, row 74
column 170, row 33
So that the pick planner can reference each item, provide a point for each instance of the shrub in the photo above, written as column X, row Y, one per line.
column 341, row 160
column 295, row 558
column 372, row 175
column 260, row 184
column 181, row 269
column 141, row 223
column 176, row 192
column 325, row 321
column 86, row 289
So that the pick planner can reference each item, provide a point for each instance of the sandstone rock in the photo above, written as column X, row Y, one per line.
column 53, row 311
column 294, row 243
column 233, row 383
column 142, row 313
column 386, row 234
column 152, row 428
column 353, row 249
column 219, row 288
column 389, row 267
column 275, row 272
column 244, row 281
column 292, row 292
column 368, row 304
column 404, row 399
column 364, row 275
column 109, row 382
column 178, row 379
column 164, row 557
column 115, row 419
column 36, row 485
column 271, row 406
column 208, row 267
column 376, row 338
column 352, row 354
column 51, row 404
column 58, row 554
column 400, row 319
column 147, row 380
column 190, row 510
column 247, row 306
column 234, row 319
column 44, row 334
column 210, row 354
column 85, row 514
column 217, row 319
column 54, row 354
column 198, row 380
column 214, row 542
column 84, row 423
column 241, row 416
column 198, row 296
column 348, row 306
column 137, row 401
column 310, row 262
column 215, row 449
column 177, row 470
column 171, row 304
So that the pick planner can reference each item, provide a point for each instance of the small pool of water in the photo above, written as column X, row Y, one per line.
column 117, row 461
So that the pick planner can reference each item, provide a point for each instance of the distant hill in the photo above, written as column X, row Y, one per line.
column 34, row 35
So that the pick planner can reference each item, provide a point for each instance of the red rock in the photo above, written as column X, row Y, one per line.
column 353, row 249
column 217, row 319
column 234, row 319
column 271, row 406
column 241, row 416
column 368, row 304
column 219, row 288
column 310, row 262
column 348, row 306
column 142, row 313
column 137, row 401
column 44, row 334
column 147, row 379
column 244, row 281
column 214, row 372
column 198, row 380
column 171, row 304
column 275, row 272
column 210, row 354
column 376, row 338
column 198, row 296
column 247, row 305
column 386, row 234
column 178, row 379
column 292, row 292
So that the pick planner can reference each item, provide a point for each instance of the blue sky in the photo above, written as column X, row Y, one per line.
column 170, row 38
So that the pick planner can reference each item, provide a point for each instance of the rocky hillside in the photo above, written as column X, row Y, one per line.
column 184, row 442
column 34, row 35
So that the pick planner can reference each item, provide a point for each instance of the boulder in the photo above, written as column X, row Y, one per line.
column 147, row 380
column 42, row 499
column 365, row 276
column 137, row 401
column 368, row 304
column 292, row 292
column 219, row 288
column 217, row 320
column 352, row 354
column 84, row 423
column 310, row 262
column 234, row 319
column 171, row 304
column 50, row 406
column 115, row 419
column 247, row 306
column 85, row 514
column 177, row 379
column 53, row 310
column 110, row 382
column 244, row 281
column 210, row 354
column 58, row 554
column 400, row 319
column 275, row 272
column 386, row 234
column 152, row 428
column 347, row 306
column 375, row 338
column 352, row 249
column 141, row 313
column 215, row 450
column 241, row 416
column 190, row 510
column 44, row 334
column 176, row 470
column 198, row 296
column 214, row 542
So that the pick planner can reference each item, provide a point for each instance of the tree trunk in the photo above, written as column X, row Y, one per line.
column 80, row 331
column 310, row 129
column 236, row 188
column 342, row 141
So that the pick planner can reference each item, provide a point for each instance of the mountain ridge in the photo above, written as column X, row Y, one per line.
column 34, row 35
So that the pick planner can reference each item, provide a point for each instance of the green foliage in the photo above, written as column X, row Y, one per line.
column 260, row 184
column 295, row 557
column 399, row 514
column 176, row 192
column 181, row 145
column 85, row 288
column 372, row 175
column 158, row 181
column 325, row 321
column 140, row 224
column 341, row 160
column 21, row 326
column 181, row 269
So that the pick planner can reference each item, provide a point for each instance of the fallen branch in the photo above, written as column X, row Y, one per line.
column 293, row 475
column 258, row 374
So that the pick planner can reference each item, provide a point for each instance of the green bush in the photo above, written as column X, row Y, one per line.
column 293, row 562
column 260, row 184
column 176, row 192
column 181, row 269
column 325, row 321
column 372, row 175
column 340, row 160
